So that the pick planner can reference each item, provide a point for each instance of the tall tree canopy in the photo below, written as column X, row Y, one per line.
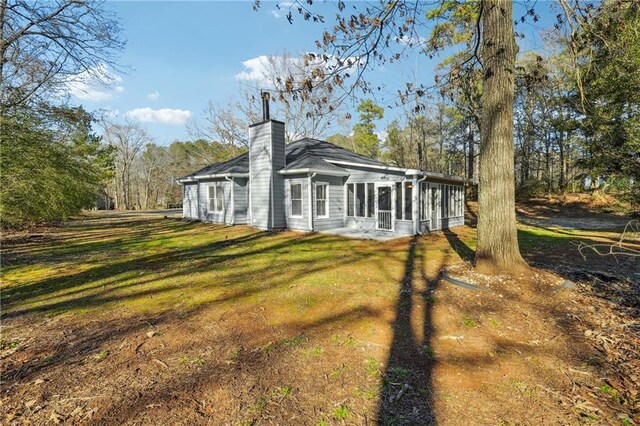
column 47, row 44
column 52, row 163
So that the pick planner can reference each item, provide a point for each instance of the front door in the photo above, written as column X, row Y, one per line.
column 384, row 207
column 435, row 206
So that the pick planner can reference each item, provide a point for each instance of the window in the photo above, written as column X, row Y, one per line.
column 360, row 200
column 216, row 198
column 408, row 200
column 370, row 199
column 296, row 199
column 350, row 198
column 322, row 201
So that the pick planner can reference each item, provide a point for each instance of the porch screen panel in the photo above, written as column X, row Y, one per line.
column 423, row 201
column 408, row 201
column 371, row 207
column 360, row 199
column 444, row 202
column 350, row 198
column 398, row 200
column 453, row 208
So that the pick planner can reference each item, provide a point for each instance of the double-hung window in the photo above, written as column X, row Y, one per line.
column 216, row 198
column 322, row 200
column 296, row 199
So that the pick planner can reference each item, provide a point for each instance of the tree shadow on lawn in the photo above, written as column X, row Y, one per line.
column 62, row 246
column 243, row 264
column 406, row 393
column 407, row 389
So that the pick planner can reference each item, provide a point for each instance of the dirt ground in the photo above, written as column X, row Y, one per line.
column 140, row 319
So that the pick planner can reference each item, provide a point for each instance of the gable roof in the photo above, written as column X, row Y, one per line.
column 305, row 153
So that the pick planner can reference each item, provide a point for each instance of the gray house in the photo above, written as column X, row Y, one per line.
column 312, row 185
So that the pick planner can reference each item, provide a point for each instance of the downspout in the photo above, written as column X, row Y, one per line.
column 416, row 209
column 311, row 176
column 233, row 208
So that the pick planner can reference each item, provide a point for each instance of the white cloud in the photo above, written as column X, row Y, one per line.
column 262, row 69
column 163, row 115
column 278, row 13
column 153, row 95
column 96, row 84
column 411, row 41
column 256, row 69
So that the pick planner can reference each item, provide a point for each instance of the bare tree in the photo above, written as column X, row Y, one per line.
column 45, row 44
column 310, row 115
column 128, row 139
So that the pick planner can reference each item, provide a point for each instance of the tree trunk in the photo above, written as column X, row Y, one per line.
column 562, row 184
column 497, row 234
column 472, row 154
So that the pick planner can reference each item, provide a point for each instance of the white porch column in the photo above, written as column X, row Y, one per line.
column 415, row 213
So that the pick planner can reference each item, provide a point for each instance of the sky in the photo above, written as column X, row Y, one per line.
column 180, row 56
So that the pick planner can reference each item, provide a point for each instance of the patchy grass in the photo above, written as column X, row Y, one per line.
column 142, row 319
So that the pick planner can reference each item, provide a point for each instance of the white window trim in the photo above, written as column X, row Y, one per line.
column 326, row 199
column 290, row 209
column 215, row 200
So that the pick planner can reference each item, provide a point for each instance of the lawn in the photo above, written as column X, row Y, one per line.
column 125, row 318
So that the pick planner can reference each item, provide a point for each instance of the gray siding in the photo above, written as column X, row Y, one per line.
column 451, row 222
column 297, row 223
column 403, row 227
column 241, row 200
column 266, row 157
column 203, row 211
column 336, row 203
column 190, row 201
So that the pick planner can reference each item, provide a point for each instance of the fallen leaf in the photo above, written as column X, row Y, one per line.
column 56, row 418
column 162, row 363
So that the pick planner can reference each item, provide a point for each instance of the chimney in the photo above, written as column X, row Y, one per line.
column 265, row 105
column 266, row 158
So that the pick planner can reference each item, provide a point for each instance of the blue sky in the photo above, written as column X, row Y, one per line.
column 181, row 55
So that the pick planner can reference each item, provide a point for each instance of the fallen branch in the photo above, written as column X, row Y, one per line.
column 630, row 235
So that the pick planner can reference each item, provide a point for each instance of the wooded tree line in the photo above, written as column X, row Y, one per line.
column 567, row 130
column 145, row 173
